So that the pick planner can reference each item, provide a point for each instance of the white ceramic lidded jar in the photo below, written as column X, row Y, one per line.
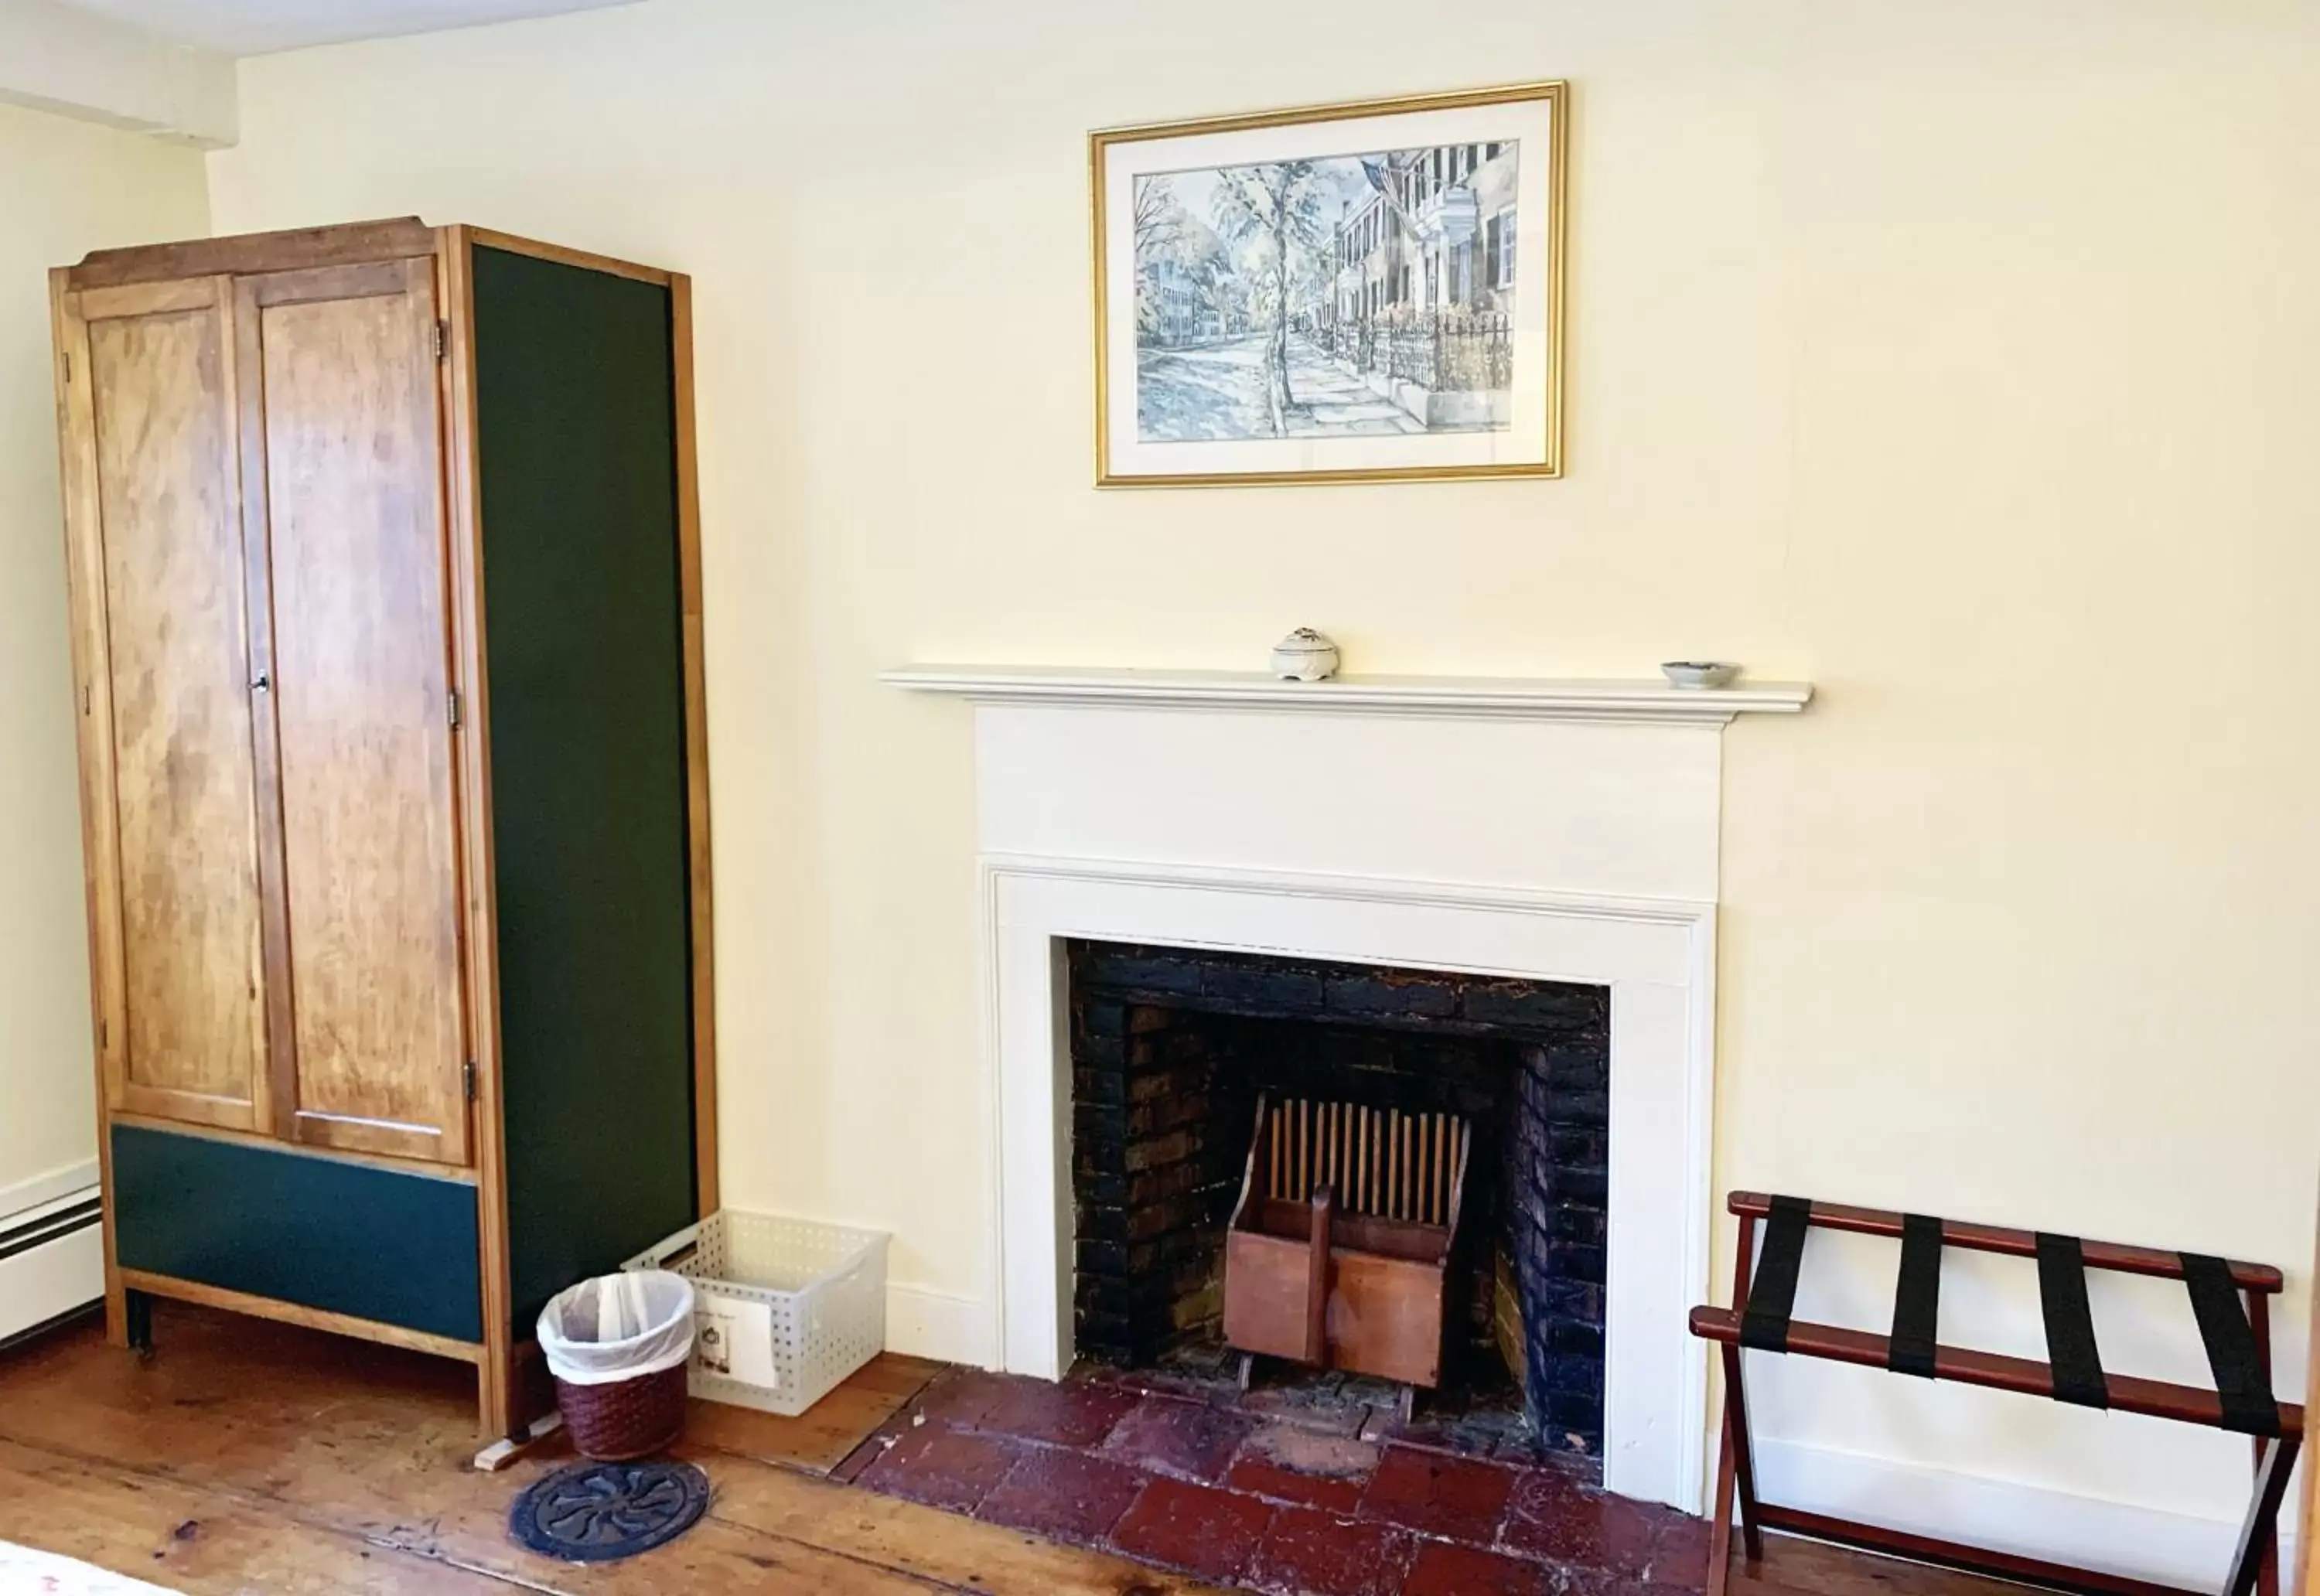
column 1305, row 656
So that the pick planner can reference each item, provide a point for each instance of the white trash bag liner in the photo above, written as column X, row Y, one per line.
column 618, row 1328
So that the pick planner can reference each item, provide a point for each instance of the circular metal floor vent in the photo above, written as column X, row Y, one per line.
column 597, row 1512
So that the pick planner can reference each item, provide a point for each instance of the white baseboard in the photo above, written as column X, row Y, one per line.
column 924, row 1322
column 20, row 1197
column 2002, row 1514
column 51, row 1254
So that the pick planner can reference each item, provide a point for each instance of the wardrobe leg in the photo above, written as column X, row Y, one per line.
column 116, row 1315
column 499, row 1399
column 137, row 1321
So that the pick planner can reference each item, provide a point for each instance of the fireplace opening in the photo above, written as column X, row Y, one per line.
column 1173, row 1049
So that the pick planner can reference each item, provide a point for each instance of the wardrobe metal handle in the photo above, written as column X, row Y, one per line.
column 261, row 682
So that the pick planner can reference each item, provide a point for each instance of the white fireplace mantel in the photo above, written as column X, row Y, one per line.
column 1557, row 830
column 1497, row 698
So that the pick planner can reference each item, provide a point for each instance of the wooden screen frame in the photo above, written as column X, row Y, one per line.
column 504, row 1397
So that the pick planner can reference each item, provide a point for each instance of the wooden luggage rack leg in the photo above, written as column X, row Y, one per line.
column 1736, row 1469
column 2259, row 1316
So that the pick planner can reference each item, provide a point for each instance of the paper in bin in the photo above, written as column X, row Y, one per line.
column 734, row 1340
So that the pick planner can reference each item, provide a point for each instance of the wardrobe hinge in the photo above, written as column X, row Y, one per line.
column 442, row 340
column 451, row 707
column 467, row 1077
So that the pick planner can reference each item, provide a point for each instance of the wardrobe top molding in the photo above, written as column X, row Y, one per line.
column 1489, row 698
column 300, row 248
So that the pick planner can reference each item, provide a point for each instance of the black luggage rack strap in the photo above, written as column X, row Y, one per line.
column 2238, row 1344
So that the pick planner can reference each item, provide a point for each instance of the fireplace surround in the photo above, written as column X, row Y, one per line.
column 1554, row 832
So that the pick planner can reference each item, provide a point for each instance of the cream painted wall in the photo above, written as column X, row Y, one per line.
column 1963, row 358
column 66, row 187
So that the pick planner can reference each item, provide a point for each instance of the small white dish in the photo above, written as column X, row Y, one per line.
column 1700, row 673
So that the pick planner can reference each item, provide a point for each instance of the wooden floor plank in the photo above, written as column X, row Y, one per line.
column 944, row 1548
column 1797, row 1567
column 461, row 1546
column 820, row 1439
column 276, row 1422
column 187, row 1539
column 306, row 1463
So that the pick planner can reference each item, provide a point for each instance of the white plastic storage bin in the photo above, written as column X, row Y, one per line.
column 783, row 1310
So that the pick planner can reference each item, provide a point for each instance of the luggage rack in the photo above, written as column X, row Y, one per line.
column 2238, row 1345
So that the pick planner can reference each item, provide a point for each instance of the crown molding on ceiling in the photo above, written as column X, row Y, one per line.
column 58, row 57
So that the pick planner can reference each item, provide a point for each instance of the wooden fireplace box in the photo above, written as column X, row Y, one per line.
column 1357, row 1208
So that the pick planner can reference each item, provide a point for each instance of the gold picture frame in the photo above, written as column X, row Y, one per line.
column 1426, row 337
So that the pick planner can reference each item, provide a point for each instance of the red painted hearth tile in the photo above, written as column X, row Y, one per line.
column 1680, row 1552
column 1443, row 1569
column 1072, row 1414
column 1261, row 1478
column 1553, row 1515
column 1452, row 1496
column 1195, row 1528
column 1168, row 1436
column 943, row 1467
column 851, row 1466
column 1313, row 1554
column 1295, row 1405
column 960, row 1397
column 1292, row 1464
column 1064, row 1496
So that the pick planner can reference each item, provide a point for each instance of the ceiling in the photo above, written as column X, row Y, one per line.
column 254, row 27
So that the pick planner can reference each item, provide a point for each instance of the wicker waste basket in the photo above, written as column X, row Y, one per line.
column 617, row 1347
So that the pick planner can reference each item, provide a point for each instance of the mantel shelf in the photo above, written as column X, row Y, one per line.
column 1495, row 698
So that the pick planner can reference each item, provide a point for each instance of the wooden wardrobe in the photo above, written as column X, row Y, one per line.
column 386, row 588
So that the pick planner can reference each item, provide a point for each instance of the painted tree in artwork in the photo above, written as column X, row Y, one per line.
column 1159, row 221
column 1274, row 216
column 1158, row 217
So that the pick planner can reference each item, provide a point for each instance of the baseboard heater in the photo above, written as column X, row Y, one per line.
column 52, row 1264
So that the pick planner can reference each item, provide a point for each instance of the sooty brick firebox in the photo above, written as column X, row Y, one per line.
column 1170, row 1050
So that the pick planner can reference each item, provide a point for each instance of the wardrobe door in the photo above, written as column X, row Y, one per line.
column 343, row 483
column 162, row 640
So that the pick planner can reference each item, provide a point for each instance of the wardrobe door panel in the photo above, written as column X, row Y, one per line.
column 342, row 365
column 159, row 575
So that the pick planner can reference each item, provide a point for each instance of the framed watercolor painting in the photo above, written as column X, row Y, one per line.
column 1365, row 291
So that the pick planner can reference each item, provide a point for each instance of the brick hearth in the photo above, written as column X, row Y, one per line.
column 1271, row 1493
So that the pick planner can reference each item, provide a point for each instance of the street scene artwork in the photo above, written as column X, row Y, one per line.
column 1358, row 291
column 1360, row 294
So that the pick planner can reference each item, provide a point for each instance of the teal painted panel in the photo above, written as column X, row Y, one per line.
column 321, row 1232
column 576, row 420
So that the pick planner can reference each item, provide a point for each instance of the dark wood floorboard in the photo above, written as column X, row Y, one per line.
column 253, row 1456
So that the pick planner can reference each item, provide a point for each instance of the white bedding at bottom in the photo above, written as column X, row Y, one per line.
column 24, row 1572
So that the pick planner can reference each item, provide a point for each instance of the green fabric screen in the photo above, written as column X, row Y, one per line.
column 575, row 412
column 342, row 1237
